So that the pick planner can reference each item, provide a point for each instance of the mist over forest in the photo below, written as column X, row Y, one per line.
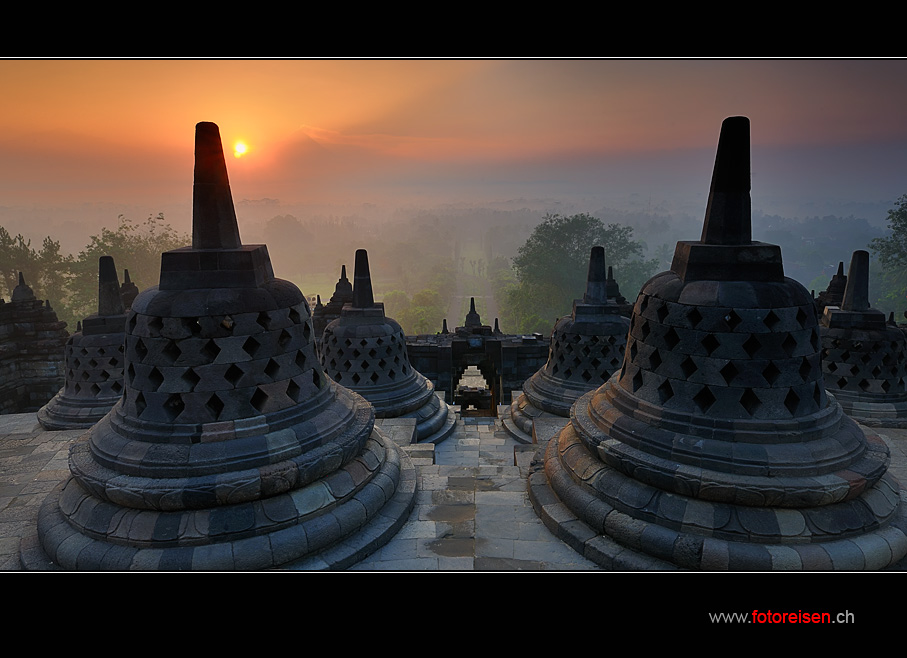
column 427, row 261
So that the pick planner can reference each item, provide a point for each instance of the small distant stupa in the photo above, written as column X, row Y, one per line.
column 94, row 361
column 585, row 349
column 366, row 351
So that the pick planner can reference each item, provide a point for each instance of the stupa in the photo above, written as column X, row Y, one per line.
column 94, row 361
column 365, row 351
column 230, row 449
column 864, row 357
column 324, row 314
column 32, row 341
column 128, row 291
column 715, row 446
column 834, row 294
column 585, row 349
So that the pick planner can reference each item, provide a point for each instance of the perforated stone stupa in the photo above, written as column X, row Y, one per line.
column 585, row 349
column 31, row 351
column 366, row 351
column 715, row 447
column 864, row 358
column 230, row 448
column 94, row 361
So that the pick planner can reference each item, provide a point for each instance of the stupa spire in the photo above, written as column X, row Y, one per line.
column 596, row 280
column 109, row 300
column 728, row 215
column 856, row 293
column 214, row 223
column 363, row 297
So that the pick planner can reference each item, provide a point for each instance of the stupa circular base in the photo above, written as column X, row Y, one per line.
column 623, row 524
column 873, row 412
column 332, row 523
column 67, row 413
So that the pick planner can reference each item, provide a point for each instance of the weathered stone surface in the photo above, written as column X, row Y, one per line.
column 716, row 443
column 230, row 448
column 366, row 351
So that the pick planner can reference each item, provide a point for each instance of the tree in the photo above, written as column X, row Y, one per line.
column 552, row 266
column 892, row 254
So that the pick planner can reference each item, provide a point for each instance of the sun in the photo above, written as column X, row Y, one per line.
column 239, row 150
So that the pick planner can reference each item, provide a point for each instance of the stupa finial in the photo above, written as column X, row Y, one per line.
column 362, row 281
column 728, row 216
column 596, row 280
column 109, row 300
column 856, row 294
column 214, row 223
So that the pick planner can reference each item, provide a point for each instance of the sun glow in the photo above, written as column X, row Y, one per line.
column 239, row 150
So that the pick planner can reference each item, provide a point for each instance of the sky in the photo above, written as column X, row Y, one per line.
column 825, row 133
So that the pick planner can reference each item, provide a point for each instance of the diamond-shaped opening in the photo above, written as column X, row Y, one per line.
column 155, row 378
column 688, row 366
column 771, row 373
column 662, row 313
column 643, row 303
column 93, row 363
column 284, row 339
column 174, row 406
column 373, row 353
column 130, row 374
column 215, row 405
column 729, row 372
column 633, row 350
column 227, row 323
column 791, row 401
column 233, row 374
column 644, row 329
column 568, row 373
column 155, row 324
column 817, row 394
column 586, row 375
column 363, row 343
column 251, row 346
column 710, row 343
column 866, row 358
column 665, row 391
column 637, row 381
column 854, row 370
column 802, row 317
column 264, row 320
column 356, row 354
column 806, row 369
column 732, row 319
column 191, row 378
column 294, row 316
column 116, row 387
column 771, row 320
column 694, row 317
column 95, row 389
column 842, row 382
column 832, row 366
column 595, row 363
column 654, row 360
column 815, row 339
column 85, row 375
column 140, row 404
column 864, row 385
column 293, row 390
column 105, row 375
column 140, row 349
column 392, row 374
column 886, row 385
column 300, row 360
column 171, row 351
column 751, row 346
column 356, row 378
column 211, row 350
column 845, row 355
column 671, row 338
column 876, row 372
column 272, row 369
column 750, row 401
column 789, row 344
column 192, row 325
column 375, row 377
column 259, row 399
column 704, row 399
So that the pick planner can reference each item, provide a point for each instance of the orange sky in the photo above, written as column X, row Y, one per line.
column 121, row 131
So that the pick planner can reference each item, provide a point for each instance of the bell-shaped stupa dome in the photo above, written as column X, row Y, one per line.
column 585, row 349
column 230, row 449
column 94, row 361
column 864, row 357
column 715, row 446
column 366, row 351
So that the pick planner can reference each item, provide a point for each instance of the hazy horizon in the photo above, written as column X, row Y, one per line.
column 86, row 140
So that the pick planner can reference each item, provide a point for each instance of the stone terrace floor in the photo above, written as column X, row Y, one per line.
column 472, row 510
